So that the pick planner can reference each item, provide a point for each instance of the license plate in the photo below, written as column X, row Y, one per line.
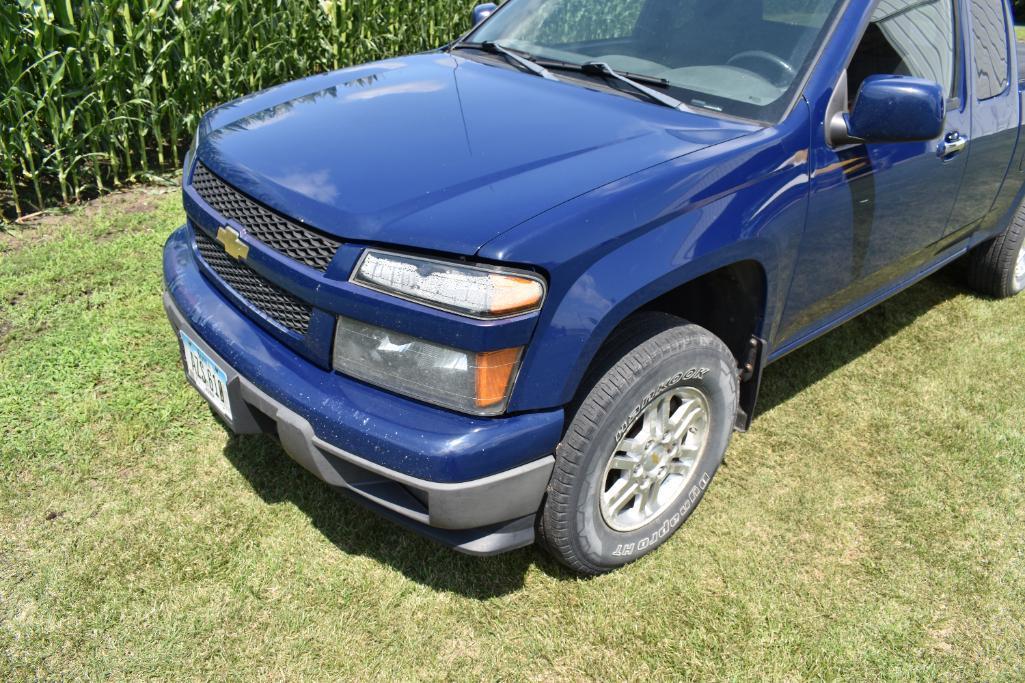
column 211, row 380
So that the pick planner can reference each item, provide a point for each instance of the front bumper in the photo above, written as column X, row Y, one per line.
column 483, row 515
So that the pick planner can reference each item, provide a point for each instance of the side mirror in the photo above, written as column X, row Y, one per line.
column 482, row 12
column 896, row 109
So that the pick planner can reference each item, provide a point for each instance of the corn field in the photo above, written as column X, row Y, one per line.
column 97, row 93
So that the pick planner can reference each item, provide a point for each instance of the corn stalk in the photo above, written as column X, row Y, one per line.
column 96, row 93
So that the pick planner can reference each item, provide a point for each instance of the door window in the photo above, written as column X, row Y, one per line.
column 910, row 38
column 989, row 38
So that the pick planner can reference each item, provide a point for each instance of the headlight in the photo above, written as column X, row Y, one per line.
column 467, row 381
column 476, row 291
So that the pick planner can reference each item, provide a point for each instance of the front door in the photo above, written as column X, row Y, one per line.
column 875, row 209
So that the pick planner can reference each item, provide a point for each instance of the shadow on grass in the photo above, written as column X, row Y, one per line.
column 820, row 358
column 356, row 530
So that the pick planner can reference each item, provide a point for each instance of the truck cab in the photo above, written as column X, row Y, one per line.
column 523, row 287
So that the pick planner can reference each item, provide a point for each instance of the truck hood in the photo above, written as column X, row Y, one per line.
column 437, row 151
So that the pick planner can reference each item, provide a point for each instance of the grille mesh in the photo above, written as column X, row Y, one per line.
column 273, row 229
column 275, row 302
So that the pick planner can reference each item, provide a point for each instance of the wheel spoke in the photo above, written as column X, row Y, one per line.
column 681, row 466
column 620, row 494
column 624, row 462
column 688, row 413
column 643, row 498
column 663, row 414
column 686, row 408
column 653, row 490
column 649, row 469
column 632, row 447
column 652, row 423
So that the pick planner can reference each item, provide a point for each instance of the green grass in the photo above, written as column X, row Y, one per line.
column 871, row 526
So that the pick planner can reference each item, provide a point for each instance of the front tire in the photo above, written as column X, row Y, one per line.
column 642, row 444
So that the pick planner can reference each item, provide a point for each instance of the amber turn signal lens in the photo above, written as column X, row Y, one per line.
column 495, row 371
column 511, row 294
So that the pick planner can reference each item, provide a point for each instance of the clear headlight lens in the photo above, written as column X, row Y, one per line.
column 467, row 381
column 476, row 291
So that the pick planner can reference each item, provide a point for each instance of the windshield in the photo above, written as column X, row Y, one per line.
column 739, row 57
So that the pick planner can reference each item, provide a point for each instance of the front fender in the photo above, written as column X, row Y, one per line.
column 745, row 200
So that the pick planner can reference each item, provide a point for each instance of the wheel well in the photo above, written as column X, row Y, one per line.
column 729, row 303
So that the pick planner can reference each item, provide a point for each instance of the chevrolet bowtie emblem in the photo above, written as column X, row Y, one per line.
column 233, row 244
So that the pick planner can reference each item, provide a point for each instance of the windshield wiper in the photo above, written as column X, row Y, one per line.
column 496, row 49
column 604, row 69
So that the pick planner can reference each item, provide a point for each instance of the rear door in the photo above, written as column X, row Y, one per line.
column 994, row 97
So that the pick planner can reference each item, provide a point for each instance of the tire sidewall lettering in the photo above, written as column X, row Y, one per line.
column 635, row 412
column 604, row 541
column 668, row 526
column 702, row 365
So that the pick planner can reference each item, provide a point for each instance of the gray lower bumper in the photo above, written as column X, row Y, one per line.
column 480, row 517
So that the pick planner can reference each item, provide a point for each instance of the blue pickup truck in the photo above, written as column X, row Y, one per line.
column 523, row 288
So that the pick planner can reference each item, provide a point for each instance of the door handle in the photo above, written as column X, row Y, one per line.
column 953, row 144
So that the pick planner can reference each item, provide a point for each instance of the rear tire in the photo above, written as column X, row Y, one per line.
column 643, row 443
column 997, row 268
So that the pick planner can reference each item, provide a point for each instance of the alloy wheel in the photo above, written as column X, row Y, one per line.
column 652, row 464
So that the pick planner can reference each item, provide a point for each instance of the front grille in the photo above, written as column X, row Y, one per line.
column 274, row 230
column 273, row 301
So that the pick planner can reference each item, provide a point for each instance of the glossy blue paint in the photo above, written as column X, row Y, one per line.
column 897, row 109
column 398, row 433
column 616, row 201
column 427, row 151
column 688, row 217
column 994, row 129
column 876, row 211
column 331, row 292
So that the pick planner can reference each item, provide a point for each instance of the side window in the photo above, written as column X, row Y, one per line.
column 574, row 21
column 910, row 38
column 989, row 38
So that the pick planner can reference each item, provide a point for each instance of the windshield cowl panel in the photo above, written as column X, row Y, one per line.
column 743, row 59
